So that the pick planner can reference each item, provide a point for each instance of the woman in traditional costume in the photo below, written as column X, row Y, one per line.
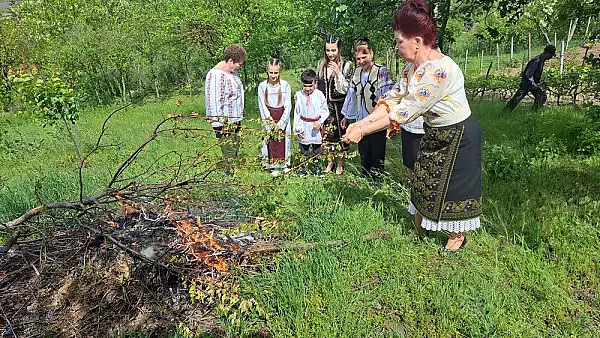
column 446, row 186
column 334, row 74
column 275, row 105
column 370, row 82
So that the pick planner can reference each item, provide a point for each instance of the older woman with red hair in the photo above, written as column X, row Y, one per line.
column 446, row 185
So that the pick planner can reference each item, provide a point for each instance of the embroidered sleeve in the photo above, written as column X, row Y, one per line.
column 428, row 85
column 298, row 125
column 287, row 105
column 214, row 95
column 350, row 108
column 321, row 106
column 262, row 105
column 384, row 82
column 343, row 79
column 243, row 98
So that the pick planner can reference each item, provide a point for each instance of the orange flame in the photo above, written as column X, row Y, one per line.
column 202, row 246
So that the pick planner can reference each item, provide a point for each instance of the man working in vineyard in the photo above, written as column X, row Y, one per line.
column 530, row 80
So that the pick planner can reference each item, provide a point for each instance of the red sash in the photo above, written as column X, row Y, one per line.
column 316, row 119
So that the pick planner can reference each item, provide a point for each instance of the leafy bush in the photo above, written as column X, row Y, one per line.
column 4, row 94
column 550, row 148
column 576, row 82
column 500, row 85
column 49, row 98
column 502, row 161
column 589, row 139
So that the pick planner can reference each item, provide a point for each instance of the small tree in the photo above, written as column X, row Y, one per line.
column 50, row 99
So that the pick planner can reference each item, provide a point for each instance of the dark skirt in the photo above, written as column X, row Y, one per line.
column 333, row 128
column 447, row 181
column 410, row 148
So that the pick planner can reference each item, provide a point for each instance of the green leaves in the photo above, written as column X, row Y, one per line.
column 341, row 8
column 50, row 98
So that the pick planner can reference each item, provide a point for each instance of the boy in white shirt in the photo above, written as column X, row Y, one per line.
column 310, row 112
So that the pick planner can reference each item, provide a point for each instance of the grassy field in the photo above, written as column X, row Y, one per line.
column 532, row 270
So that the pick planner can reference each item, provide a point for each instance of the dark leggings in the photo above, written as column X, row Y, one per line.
column 372, row 154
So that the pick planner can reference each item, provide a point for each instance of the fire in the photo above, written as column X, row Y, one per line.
column 126, row 208
column 111, row 223
column 200, row 245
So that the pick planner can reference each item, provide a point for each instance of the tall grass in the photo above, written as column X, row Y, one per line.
column 532, row 270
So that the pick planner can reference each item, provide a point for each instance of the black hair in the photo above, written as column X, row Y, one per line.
column 308, row 76
column 274, row 62
column 332, row 38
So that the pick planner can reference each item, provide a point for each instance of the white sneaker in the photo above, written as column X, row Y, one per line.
column 275, row 173
column 286, row 170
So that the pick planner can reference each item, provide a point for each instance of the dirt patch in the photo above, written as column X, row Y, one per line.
column 578, row 53
column 92, row 291
column 75, row 282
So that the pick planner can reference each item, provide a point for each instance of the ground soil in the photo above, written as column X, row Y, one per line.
column 75, row 284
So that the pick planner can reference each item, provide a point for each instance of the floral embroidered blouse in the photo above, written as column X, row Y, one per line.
column 435, row 90
column 224, row 97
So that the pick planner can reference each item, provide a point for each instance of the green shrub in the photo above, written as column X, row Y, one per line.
column 502, row 161
column 577, row 82
column 589, row 138
column 550, row 148
column 49, row 98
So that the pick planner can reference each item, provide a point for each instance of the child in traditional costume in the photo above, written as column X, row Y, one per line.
column 275, row 105
column 334, row 75
column 310, row 113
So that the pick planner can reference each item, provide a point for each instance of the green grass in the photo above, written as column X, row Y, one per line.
column 532, row 270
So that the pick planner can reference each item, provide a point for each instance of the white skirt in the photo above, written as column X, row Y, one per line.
column 451, row 226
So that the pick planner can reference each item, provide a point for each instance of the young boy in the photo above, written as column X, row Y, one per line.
column 310, row 112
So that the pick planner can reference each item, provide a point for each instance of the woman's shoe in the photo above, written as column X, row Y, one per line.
column 443, row 249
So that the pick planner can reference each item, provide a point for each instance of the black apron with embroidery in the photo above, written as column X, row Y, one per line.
column 335, row 101
column 447, row 180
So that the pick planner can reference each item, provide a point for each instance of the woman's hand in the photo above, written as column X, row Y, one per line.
column 391, row 132
column 351, row 126
column 353, row 135
column 333, row 66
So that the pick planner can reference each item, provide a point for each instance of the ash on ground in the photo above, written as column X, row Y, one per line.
column 83, row 282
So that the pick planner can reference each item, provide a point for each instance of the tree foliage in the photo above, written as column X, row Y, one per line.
column 128, row 49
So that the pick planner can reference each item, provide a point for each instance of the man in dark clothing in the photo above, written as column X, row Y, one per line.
column 530, row 80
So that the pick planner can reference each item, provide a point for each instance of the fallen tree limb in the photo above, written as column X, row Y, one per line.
column 78, row 206
column 130, row 251
column 11, row 241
